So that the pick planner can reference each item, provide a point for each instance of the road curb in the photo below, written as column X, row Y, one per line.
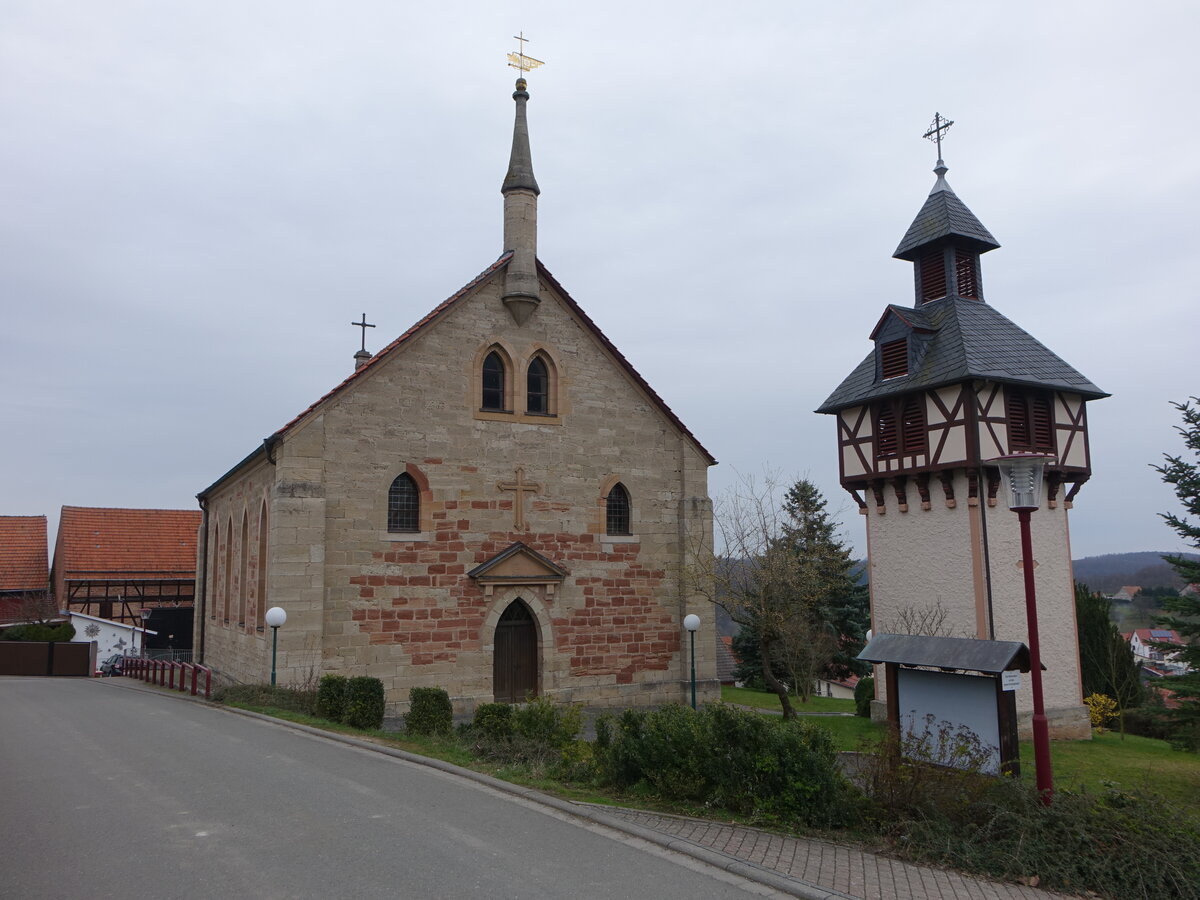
column 791, row 887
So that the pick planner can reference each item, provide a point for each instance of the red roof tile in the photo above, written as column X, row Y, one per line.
column 23, row 562
column 97, row 543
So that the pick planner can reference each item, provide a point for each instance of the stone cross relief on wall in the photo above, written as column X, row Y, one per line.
column 521, row 487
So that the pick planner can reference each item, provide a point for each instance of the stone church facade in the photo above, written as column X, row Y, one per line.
column 496, row 504
column 950, row 385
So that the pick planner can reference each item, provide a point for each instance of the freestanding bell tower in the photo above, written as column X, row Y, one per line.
column 950, row 384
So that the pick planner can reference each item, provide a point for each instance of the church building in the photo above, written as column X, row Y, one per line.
column 949, row 385
column 496, row 504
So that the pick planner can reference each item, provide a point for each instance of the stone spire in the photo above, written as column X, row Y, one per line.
column 520, row 190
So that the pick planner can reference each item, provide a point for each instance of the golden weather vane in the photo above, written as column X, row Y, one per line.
column 519, row 60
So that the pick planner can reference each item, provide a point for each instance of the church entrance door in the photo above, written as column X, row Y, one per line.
column 515, row 664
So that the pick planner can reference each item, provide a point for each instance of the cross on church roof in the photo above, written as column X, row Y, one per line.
column 519, row 60
column 364, row 326
column 938, row 127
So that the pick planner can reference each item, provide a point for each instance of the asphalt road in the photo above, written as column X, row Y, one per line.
column 107, row 791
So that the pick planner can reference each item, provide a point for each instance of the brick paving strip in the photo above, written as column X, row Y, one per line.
column 839, row 870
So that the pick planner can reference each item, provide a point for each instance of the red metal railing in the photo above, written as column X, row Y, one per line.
column 169, row 674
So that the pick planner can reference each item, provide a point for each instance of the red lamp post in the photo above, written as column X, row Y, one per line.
column 1022, row 473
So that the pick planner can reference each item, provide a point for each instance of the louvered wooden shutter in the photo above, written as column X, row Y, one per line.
column 886, row 439
column 1042, row 421
column 1018, row 420
column 964, row 269
column 893, row 358
column 913, row 431
column 933, row 276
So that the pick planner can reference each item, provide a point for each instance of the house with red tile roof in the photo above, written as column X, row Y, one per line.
column 496, row 504
column 24, row 570
column 112, row 563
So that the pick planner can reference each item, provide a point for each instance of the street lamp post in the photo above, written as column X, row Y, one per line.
column 692, row 623
column 275, row 617
column 1022, row 473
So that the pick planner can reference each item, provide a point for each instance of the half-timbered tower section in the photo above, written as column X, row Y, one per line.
column 951, row 383
column 496, row 504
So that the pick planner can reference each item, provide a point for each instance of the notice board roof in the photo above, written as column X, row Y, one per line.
column 989, row 657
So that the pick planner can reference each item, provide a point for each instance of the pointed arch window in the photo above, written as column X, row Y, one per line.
column 227, row 555
column 617, row 518
column 404, row 504
column 537, row 387
column 244, row 570
column 260, row 595
column 493, row 382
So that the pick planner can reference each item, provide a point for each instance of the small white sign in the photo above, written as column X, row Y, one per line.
column 1010, row 680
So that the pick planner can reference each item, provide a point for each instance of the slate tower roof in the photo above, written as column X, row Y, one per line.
column 956, row 336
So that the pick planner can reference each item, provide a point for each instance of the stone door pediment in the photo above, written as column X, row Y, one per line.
column 518, row 565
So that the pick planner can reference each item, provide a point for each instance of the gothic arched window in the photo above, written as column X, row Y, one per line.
column 617, row 510
column 493, row 382
column 537, row 384
column 404, row 504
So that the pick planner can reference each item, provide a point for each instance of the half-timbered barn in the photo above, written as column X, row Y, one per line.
column 496, row 504
column 115, row 563
column 950, row 384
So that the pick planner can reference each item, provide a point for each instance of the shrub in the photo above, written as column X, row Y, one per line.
column 364, row 703
column 781, row 770
column 1147, row 722
column 331, row 697
column 1102, row 709
column 539, row 735
column 864, row 693
column 429, row 712
column 541, row 721
column 1117, row 844
column 492, row 721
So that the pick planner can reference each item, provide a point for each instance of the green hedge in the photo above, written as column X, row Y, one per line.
column 429, row 712
column 493, row 721
column 364, row 703
column 331, row 697
column 782, row 770
column 44, row 633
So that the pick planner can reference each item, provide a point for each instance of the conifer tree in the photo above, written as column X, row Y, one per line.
column 1184, row 476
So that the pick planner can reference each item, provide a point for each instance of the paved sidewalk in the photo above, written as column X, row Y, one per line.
column 845, row 871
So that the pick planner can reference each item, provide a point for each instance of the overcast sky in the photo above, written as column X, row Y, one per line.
column 199, row 197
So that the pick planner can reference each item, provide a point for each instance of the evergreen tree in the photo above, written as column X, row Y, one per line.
column 1106, row 659
column 1184, row 476
column 842, row 605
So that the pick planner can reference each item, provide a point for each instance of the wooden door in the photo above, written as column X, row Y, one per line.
column 515, row 663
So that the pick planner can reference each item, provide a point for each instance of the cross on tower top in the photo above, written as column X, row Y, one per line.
column 364, row 326
column 938, row 127
column 519, row 60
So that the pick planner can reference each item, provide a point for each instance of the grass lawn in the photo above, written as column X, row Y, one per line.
column 1135, row 762
column 765, row 700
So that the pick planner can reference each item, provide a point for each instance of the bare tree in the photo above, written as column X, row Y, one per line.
column 764, row 584
column 930, row 619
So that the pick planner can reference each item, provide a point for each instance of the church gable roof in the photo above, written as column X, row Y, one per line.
column 970, row 340
column 465, row 291
column 438, row 312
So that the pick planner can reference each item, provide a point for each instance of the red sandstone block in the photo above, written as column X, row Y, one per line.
column 437, row 569
column 357, row 579
column 468, row 468
column 395, row 580
column 366, row 593
column 441, row 637
column 624, row 678
column 372, row 614
column 358, row 615
column 375, row 580
column 408, row 556
column 391, row 626
column 404, row 614
column 464, row 524
column 458, row 569
column 420, row 581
